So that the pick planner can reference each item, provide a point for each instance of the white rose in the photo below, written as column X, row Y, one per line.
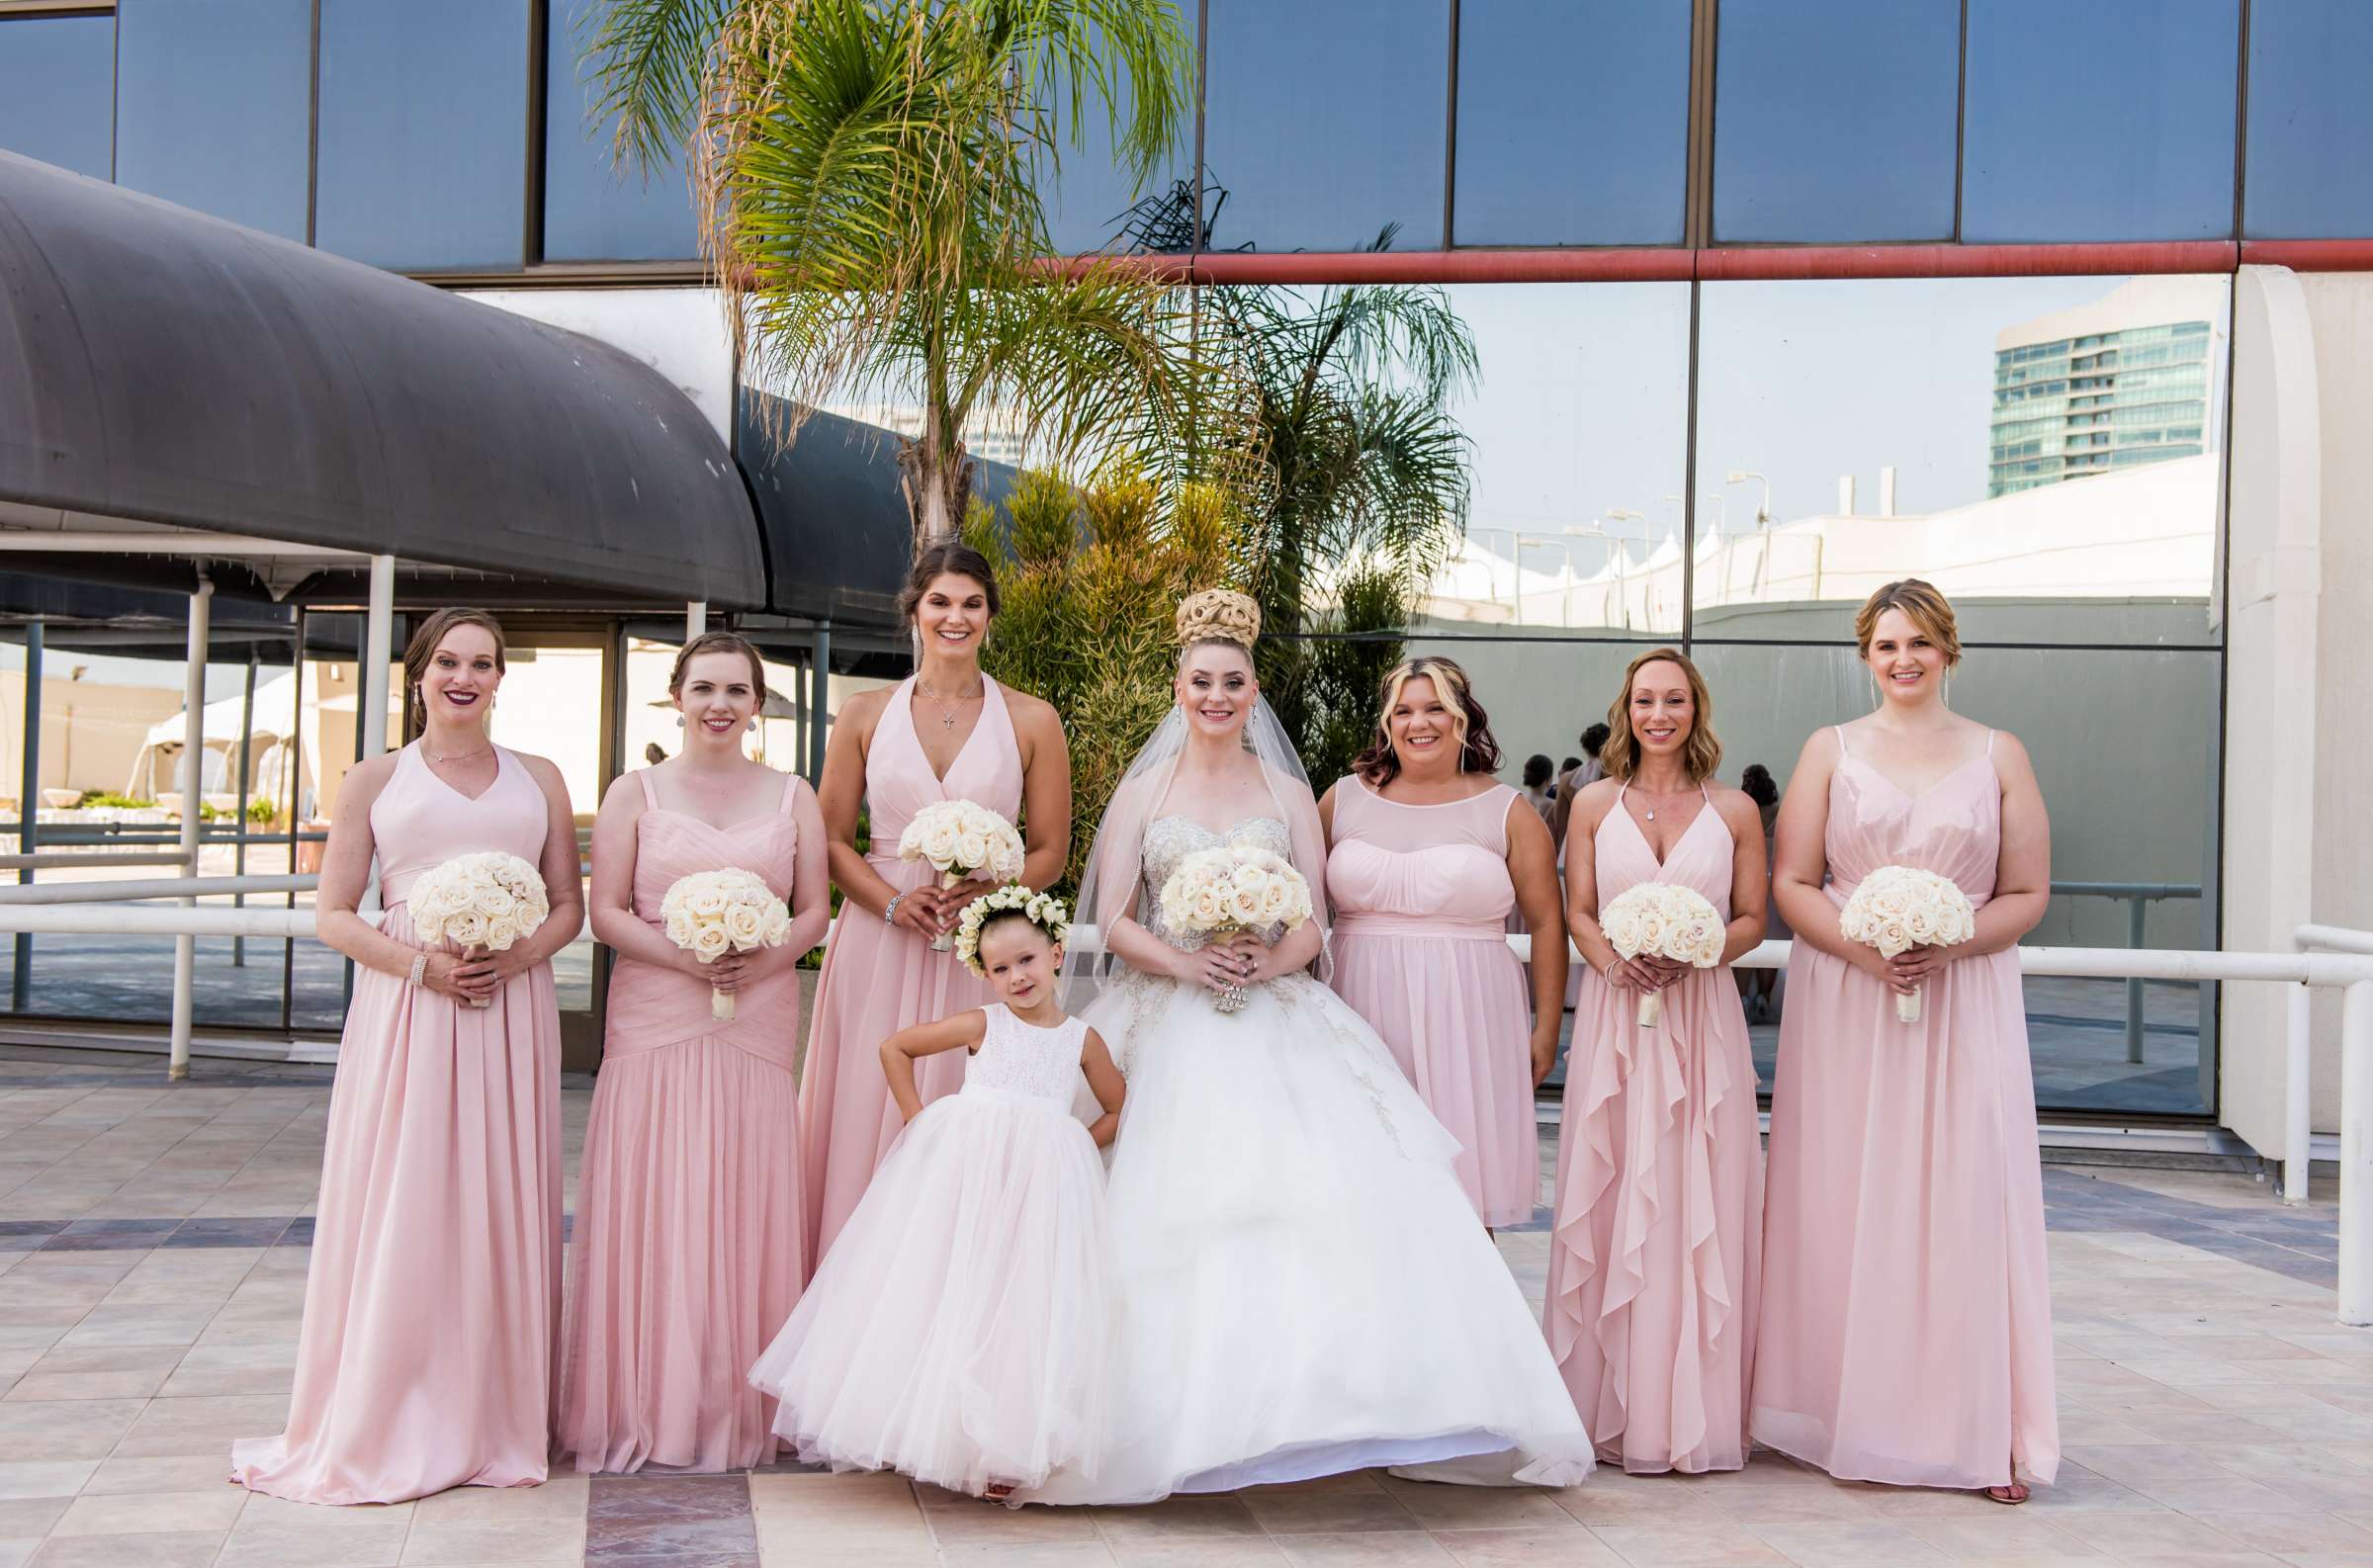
column 1244, row 906
column 1206, row 909
column 971, row 851
column 705, row 904
column 467, row 930
column 1277, row 902
column 711, row 943
column 679, row 928
column 495, row 902
column 744, row 925
column 779, row 924
column 939, row 844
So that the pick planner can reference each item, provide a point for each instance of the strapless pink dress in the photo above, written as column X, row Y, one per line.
column 1656, row 1254
column 1908, row 1311
column 432, row 1301
column 688, row 1221
column 878, row 978
column 1422, row 898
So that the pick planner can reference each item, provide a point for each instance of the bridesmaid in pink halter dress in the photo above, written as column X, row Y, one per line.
column 1655, row 1255
column 1429, row 855
column 1908, row 1315
column 945, row 733
column 433, row 1297
column 689, row 1228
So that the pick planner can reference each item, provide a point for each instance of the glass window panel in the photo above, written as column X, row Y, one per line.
column 2132, row 790
column 418, row 179
column 1089, row 200
column 1579, row 426
column 216, row 105
column 1836, row 122
column 1976, row 407
column 57, row 90
column 1326, row 120
column 594, row 209
column 1573, row 122
column 2111, row 119
column 2310, row 168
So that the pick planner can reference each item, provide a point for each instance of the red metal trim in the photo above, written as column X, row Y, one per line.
column 1965, row 261
column 2310, row 255
column 1663, row 265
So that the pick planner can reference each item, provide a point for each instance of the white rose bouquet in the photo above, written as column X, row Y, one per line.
column 711, row 914
column 1218, row 893
column 959, row 838
column 1662, row 919
column 1896, row 908
column 480, row 903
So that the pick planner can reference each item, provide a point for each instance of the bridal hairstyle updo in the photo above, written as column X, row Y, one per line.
column 1700, row 754
column 423, row 647
column 1219, row 615
column 717, row 643
column 944, row 558
column 1478, row 752
column 1923, row 606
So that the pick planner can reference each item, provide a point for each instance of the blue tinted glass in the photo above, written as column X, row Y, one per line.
column 57, row 78
column 424, row 138
column 1573, row 122
column 2310, row 173
column 1325, row 120
column 215, row 103
column 596, row 209
column 2110, row 120
column 1089, row 201
column 1836, row 122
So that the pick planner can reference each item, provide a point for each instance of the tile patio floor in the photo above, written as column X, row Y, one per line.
column 152, row 1255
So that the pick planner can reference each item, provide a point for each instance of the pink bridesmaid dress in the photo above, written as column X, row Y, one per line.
column 1656, row 1254
column 689, row 1229
column 879, row 977
column 1422, row 898
column 1908, row 1315
column 432, row 1303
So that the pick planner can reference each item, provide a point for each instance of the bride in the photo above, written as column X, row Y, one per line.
column 1306, row 1288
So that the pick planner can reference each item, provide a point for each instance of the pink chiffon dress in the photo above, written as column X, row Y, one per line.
column 1422, row 898
column 961, row 1330
column 1906, row 1331
column 879, row 977
column 432, row 1300
column 1655, row 1255
column 688, row 1221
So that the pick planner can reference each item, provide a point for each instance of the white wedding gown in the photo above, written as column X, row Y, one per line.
column 1304, row 1287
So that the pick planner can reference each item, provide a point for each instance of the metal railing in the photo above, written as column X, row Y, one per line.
column 2138, row 898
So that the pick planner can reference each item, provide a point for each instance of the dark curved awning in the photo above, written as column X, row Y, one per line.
column 162, row 367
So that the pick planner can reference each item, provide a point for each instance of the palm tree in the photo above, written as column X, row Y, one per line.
column 870, row 173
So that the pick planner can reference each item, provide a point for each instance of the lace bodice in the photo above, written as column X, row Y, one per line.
column 1018, row 1059
column 1171, row 839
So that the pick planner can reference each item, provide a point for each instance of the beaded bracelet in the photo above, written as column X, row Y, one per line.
column 889, row 910
column 419, row 968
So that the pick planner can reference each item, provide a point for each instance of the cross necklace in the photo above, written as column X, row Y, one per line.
column 947, row 704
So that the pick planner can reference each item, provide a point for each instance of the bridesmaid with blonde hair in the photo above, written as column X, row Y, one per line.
column 689, row 1228
column 433, row 1299
column 1428, row 854
column 945, row 733
column 1655, row 1255
column 1907, row 1312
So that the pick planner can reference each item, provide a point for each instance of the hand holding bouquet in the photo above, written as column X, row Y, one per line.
column 1900, row 907
column 709, row 913
column 1220, row 893
column 1662, row 919
column 480, row 903
column 959, row 840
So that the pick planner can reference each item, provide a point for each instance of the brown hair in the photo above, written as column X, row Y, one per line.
column 1478, row 752
column 1921, row 605
column 1700, row 755
column 717, row 643
column 946, row 558
column 423, row 647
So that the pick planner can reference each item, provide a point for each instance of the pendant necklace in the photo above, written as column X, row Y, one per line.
column 947, row 713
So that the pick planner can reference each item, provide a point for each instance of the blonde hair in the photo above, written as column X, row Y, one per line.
column 1921, row 605
column 1478, row 752
column 1700, row 754
column 423, row 647
column 1219, row 615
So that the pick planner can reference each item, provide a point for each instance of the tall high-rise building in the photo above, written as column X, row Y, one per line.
column 2105, row 386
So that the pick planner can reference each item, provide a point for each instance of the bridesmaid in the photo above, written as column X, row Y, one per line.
column 1655, row 1254
column 688, row 1221
column 432, row 1302
column 947, row 732
column 1429, row 853
column 1907, row 1317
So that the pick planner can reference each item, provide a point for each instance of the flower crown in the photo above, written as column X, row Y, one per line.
column 1042, row 909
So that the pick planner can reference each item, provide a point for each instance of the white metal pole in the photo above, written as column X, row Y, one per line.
column 696, row 618
column 193, row 775
column 378, row 641
column 2356, row 1154
column 2297, row 1133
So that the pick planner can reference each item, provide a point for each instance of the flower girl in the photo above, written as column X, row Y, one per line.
column 959, row 1329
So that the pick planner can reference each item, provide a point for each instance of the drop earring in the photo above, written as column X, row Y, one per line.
column 679, row 720
column 751, row 728
column 1945, row 691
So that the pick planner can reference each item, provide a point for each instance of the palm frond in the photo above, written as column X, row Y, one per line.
column 648, row 58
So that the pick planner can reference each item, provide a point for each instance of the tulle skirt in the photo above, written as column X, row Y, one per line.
column 960, row 1329
column 1306, row 1288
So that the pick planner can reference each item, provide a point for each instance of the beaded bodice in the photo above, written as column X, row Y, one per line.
column 1017, row 1058
column 1171, row 839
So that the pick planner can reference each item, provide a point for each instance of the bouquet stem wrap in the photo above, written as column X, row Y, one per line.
column 1908, row 1006
column 945, row 941
column 1652, row 1009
